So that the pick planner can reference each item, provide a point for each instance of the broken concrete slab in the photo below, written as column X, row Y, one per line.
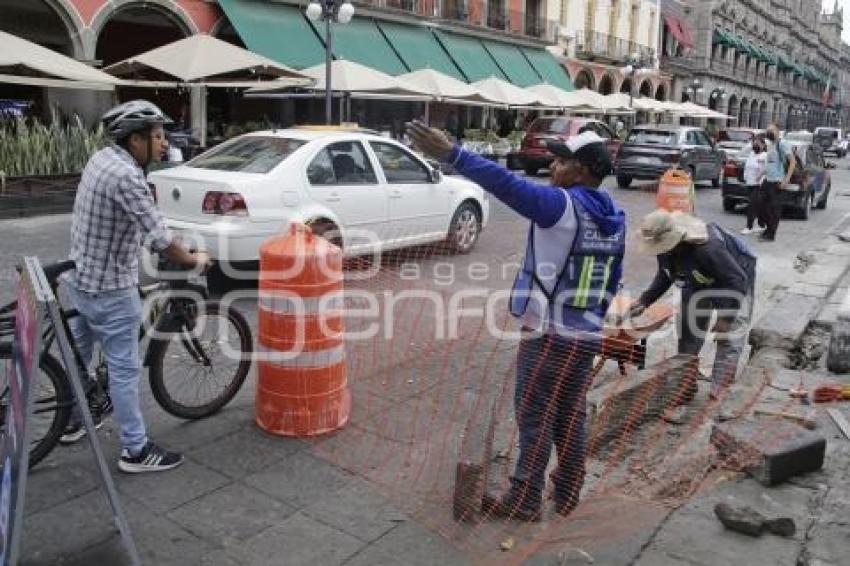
column 770, row 453
column 839, row 249
column 783, row 326
column 744, row 520
column 810, row 289
column 616, row 409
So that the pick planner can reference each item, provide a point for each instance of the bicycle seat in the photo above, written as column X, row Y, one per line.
column 54, row 270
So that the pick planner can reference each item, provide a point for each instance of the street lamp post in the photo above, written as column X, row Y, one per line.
column 329, row 11
column 633, row 66
column 694, row 89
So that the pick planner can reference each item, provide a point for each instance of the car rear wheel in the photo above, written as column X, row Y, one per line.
column 624, row 181
column 327, row 230
column 464, row 229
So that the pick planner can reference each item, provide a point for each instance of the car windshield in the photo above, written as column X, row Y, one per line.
column 665, row 137
column 801, row 137
column 826, row 133
column 249, row 154
column 550, row 125
column 734, row 136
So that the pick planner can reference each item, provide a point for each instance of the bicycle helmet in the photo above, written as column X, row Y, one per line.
column 133, row 116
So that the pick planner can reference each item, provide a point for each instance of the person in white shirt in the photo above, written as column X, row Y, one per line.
column 754, row 174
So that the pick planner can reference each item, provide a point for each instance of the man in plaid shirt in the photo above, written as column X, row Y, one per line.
column 114, row 214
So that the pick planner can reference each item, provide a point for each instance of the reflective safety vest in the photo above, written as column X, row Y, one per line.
column 586, row 279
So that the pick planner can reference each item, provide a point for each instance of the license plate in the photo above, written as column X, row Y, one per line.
column 643, row 159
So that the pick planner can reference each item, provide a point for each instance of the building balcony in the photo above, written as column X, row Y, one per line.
column 487, row 16
column 595, row 45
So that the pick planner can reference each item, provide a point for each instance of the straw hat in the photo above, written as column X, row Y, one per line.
column 662, row 230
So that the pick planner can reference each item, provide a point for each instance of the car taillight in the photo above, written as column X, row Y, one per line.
column 152, row 189
column 224, row 203
column 730, row 169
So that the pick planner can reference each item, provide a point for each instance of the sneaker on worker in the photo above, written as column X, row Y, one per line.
column 510, row 507
column 151, row 458
column 76, row 430
column 747, row 231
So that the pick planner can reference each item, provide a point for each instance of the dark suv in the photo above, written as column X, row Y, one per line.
column 533, row 151
column 649, row 151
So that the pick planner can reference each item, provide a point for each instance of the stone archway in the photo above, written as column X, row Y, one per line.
column 584, row 79
column 626, row 85
column 762, row 124
column 606, row 84
column 754, row 114
column 744, row 113
column 646, row 88
column 52, row 23
column 135, row 27
column 734, row 106
column 225, row 31
column 661, row 93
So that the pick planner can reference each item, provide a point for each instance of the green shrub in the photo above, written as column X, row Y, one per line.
column 29, row 147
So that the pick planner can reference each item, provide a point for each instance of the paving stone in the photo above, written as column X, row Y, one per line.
column 783, row 325
column 52, row 483
column 66, row 529
column 839, row 249
column 826, row 271
column 371, row 556
column 300, row 480
column 233, row 513
column 183, row 484
column 616, row 409
column 186, row 435
column 357, row 509
column 246, row 451
column 829, row 543
column 810, row 290
column 299, row 541
column 771, row 451
column 413, row 545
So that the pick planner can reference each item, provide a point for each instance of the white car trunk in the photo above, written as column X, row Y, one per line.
column 181, row 191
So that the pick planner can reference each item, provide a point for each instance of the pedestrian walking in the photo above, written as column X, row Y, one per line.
column 778, row 171
column 716, row 272
column 754, row 172
column 571, row 270
column 114, row 212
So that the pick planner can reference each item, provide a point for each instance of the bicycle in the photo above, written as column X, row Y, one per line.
column 181, row 315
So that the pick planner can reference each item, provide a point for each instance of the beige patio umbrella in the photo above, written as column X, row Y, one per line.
column 204, row 60
column 585, row 100
column 506, row 93
column 24, row 62
column 553, row 95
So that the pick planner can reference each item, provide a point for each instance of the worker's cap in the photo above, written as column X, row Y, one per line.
column 662, row 230
column 588, row 149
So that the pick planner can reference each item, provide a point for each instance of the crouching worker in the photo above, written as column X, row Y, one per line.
column 571, row 269
column 716, row 271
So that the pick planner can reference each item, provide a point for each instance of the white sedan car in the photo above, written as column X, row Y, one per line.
column 371, row 191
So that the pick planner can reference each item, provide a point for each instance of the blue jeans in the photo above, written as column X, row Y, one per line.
column 553, row 375
column 112, row 319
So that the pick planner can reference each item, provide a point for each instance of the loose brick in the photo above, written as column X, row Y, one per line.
column 770, row 450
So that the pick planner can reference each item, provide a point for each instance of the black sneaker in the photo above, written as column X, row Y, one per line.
column 152, row 458
column 508, row 507
column 75, row 431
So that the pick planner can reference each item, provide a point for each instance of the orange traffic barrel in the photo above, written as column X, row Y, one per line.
column 302, row 386
column 676, row 191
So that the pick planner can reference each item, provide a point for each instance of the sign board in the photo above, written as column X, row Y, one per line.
column 35, row 310
column 14, row 444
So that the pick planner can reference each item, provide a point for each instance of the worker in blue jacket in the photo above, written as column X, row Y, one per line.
column 571, row 270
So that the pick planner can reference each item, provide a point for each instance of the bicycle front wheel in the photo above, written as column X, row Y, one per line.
column 51, row 403
column 196, row 371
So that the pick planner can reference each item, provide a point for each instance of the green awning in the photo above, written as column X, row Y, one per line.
column 469, row 55
column 548, row 67
column 722, row 37
column 785, row 63
column 361, row 41
column 277, row 31
column 513, row 63
column 419, row 49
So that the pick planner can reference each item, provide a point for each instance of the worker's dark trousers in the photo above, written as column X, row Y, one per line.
column 695, row 316
column 771, row 208
column 553, row 374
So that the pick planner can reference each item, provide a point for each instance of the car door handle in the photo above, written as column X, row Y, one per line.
column 395, row 193
column 333, row 197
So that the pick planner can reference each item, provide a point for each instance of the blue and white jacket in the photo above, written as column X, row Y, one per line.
column 574, row 252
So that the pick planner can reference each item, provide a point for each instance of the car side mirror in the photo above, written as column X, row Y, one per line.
column 435, row 165
column 436, row 176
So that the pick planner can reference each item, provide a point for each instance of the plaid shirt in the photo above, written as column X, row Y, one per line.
column 113, row 211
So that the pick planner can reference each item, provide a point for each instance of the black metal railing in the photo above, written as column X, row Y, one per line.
column 595, row 44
